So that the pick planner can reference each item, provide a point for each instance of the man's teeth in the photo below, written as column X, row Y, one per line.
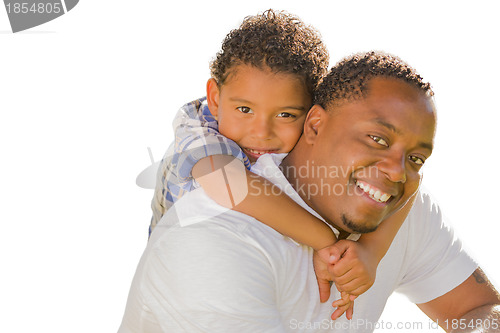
column 376, row 195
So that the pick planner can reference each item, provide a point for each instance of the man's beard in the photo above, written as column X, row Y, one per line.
column 356, row 228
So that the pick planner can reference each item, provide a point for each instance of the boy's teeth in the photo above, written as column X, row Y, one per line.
column 376, row 195
column 259, row 152
column 255, row 152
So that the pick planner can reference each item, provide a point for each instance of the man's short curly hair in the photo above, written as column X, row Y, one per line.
column 348, row 80
column 278, row 40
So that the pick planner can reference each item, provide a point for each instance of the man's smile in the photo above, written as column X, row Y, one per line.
column 373, row 192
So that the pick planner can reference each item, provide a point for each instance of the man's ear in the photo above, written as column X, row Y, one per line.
column 314, row 121
column 213, row 97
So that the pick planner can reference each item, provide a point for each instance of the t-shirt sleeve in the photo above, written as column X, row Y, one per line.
column 436, row 259
column 197, row 279
column 197, row 136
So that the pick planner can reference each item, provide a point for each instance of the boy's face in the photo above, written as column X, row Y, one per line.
column 377, row 144
column 263, row 112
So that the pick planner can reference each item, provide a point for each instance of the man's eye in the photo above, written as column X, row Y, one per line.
column 379, row 140
column 417, row 160
column 286, row 115
column 244, row 109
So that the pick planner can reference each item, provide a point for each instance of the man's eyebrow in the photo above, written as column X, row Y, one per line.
column 426, row 145
column 293, row 107
column 393, row 128
column 387, row 125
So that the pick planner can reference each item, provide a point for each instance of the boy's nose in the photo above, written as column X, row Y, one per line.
column 262, row 129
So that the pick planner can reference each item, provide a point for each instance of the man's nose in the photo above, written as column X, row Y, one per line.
column 393, row 165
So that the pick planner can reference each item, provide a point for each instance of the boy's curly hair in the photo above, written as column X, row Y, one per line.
column 277, row 40
column 348, row 80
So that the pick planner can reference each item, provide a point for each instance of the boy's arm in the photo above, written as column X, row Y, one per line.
column 379, row 241
column 228, row 183
column 355, row 263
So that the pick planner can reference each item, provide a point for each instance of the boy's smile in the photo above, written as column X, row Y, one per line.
column 263, row 112
column 379, row 143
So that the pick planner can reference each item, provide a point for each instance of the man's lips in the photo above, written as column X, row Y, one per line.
column 373, row 192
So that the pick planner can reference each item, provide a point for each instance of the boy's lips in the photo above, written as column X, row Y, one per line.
column 257, row 152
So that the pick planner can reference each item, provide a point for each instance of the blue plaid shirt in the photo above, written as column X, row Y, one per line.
column 196, row 136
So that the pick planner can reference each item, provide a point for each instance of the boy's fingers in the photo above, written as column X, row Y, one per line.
column 350, row 311
column 337, row 250
column 344, row 299
column 324, row 289
column 344, row 279
column 355, row 287
column 334, row 255
column 360, row 290
column 339, row 303
column 339, row 311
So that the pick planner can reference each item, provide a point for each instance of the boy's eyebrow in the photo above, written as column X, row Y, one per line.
column 393, row 128
column 294, row 107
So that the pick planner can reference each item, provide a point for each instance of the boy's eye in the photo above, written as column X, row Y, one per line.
column 286, row 115
column 244, row 109
column 379, row 140
column 417, row 160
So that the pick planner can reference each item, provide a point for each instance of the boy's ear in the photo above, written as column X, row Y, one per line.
column 314, row 121
column 213, row 97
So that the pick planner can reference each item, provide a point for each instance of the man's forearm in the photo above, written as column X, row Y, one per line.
column 483, row 319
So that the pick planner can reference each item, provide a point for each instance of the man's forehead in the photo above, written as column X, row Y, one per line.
column 393, row 105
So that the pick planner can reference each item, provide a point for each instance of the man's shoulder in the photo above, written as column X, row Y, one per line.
column 195, row 218
column 425, row 211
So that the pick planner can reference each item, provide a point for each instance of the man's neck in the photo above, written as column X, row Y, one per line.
column 296, row 170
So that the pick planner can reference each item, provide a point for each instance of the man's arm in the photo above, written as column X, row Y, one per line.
column 473, row 306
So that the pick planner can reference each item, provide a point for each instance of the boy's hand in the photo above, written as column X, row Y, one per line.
column 344, row 304
column 354, row 267
column 321, row 259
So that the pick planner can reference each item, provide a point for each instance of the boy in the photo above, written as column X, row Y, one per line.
column 257, row 100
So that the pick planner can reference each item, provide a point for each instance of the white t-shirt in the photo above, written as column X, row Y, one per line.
column 217, row 270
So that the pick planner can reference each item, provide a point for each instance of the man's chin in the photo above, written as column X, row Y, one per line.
column 357, row 227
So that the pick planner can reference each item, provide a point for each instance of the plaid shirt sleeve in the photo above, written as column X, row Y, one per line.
column 196, row 136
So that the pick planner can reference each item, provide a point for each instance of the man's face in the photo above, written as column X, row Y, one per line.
column 373, row 150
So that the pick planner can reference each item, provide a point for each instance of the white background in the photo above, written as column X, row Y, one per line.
column 83, row 96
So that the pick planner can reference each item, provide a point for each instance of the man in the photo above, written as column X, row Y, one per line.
column 372, row 128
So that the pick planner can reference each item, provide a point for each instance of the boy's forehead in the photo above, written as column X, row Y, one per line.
column 242, row 71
